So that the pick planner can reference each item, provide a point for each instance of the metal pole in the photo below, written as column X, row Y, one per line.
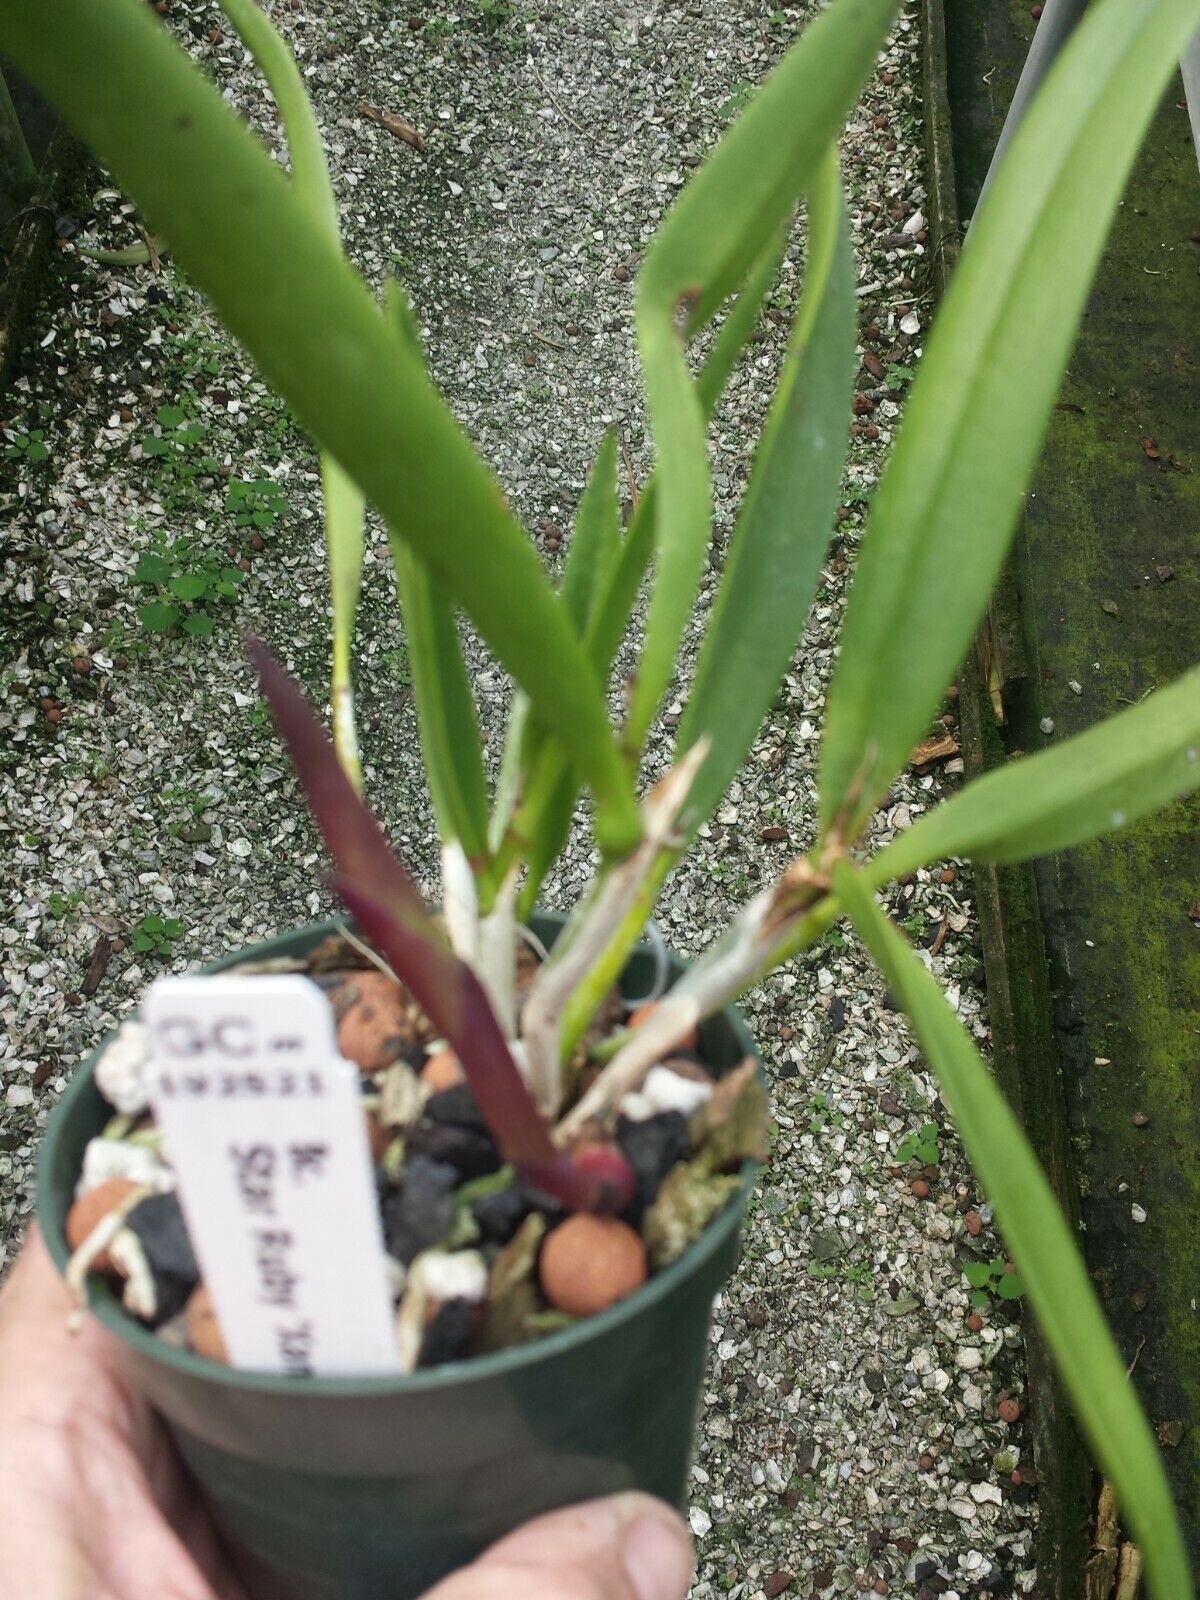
column 1058, row 19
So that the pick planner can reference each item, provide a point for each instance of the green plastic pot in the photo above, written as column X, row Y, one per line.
column 373, row 1489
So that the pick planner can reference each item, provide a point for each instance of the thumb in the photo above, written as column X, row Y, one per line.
column 626, row 1547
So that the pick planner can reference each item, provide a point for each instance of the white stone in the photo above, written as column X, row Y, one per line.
column 701, row 1522
column 121, row 1070
column 669, row 1091
column 454, row 1275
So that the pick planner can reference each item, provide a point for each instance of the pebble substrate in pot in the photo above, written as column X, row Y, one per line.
column 373, row 1489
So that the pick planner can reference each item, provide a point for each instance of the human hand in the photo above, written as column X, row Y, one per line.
column 96, row 1507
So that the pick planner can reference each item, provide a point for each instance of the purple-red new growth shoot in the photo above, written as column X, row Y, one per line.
column 380, row 896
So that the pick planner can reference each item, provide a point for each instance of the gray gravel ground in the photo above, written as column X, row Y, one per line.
column 849, row 1438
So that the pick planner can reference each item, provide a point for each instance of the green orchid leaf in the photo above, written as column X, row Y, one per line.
column 1114, row 773
column 345, row 507
column 450, row 741
column 1054, row 1276
column 785, row 521
column 717, row 230
column 595, row 538
column 611, row 610
column 949, row 500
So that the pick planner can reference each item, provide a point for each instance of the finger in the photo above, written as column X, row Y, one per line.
column 627, row 1547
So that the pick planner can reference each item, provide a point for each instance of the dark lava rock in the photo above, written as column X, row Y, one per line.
column 652, row 1147
column 456, row 1107
column 452, row 1130
column 158, row 1225
column 472, row 1154
column 419, row 1211
column 499, row 1215
column 448, row 1336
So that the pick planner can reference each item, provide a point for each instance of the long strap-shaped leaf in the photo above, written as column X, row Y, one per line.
column 345, row 507
column 1055, row 1277
column 774, row 557
column 450, row 741
column 785, row 520
column 948, row 502
column 717, row 229
column 613, row 603
column 1112, row 774
column 284, row 289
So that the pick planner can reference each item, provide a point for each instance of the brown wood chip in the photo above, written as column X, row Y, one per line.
column 394, row 124
column 98, row 965
column 938, row 747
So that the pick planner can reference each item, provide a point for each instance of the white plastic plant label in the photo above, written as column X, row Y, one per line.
column 263, row 1123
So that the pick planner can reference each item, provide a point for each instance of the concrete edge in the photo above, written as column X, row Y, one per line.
column 1014, row 955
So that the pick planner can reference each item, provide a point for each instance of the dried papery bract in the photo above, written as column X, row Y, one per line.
column 593, row 927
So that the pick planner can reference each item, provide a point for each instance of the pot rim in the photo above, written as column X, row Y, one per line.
column 103, row 1304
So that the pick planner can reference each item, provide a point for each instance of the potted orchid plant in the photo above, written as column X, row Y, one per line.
column 549, row 1073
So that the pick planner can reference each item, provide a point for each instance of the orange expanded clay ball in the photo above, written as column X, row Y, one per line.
column 203, row 1329
column 1009, row 1411
column 690, row 1041
column 372, row 1031
column 443, row 1070
column 589, row 1263
column 90, row 1210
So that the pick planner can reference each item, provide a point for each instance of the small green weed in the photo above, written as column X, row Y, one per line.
column 177, row 434
column 921, row 1146
column 29, row 446
column 189, row 584
column 993, row 1280
column 255, row 502
column 396, row 664
column 897, row 377
column 63, row 907
column 737, row 101
column 820, row 1116
column 155, row 935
